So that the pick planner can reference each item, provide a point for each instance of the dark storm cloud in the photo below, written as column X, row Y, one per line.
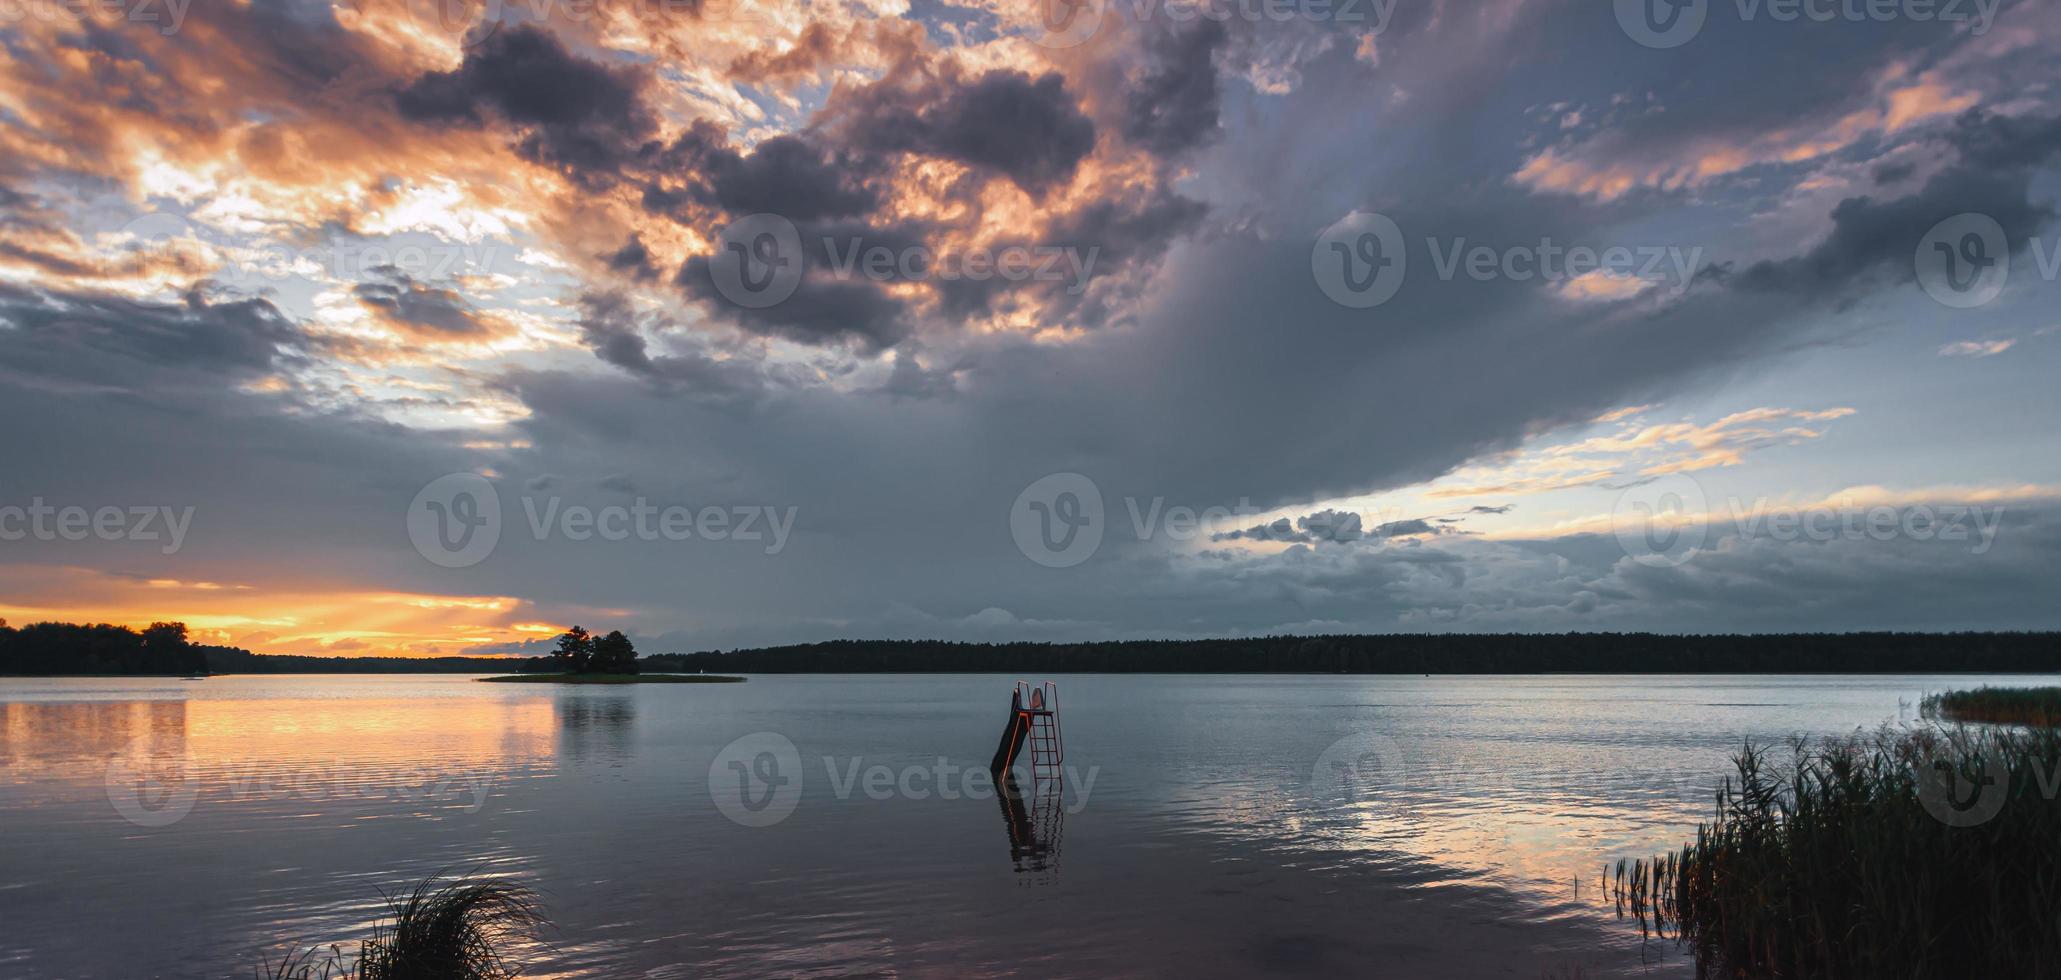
column 829, row 181
column 617, row 334
column 1029, row 130
column 1324, row 526
column 1890, row 173
column 584, row 118
column 1879, row 236
column 824, row 309
column 1335, row 527
column 910, row 379
column 633, row 259
column 1414, row 527
column 1279, row 530
column 1173, row 108
column 98, row 340
column 421, row 309
column 785, row 175
column 1989, row 140
column 1111, row 238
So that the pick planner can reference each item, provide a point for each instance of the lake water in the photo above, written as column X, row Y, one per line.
column 1391, row 826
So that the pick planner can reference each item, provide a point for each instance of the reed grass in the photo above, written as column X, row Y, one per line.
column 2037, row 706
column 437, row 931
column 1833, row 863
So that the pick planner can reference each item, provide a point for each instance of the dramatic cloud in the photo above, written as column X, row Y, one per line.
column 1025, row 128
column 576, row 115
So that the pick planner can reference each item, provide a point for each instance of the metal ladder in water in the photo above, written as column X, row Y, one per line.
column 1047, row 749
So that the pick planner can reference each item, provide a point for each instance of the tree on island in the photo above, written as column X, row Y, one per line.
column 581, row 652
column 575, row 654
column 614, row 654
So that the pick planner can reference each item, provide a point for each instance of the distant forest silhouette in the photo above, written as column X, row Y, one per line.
column 65, row 648
column 68, row 649
column 1444, row 653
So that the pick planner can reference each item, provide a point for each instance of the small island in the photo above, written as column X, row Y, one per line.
column 583, row 658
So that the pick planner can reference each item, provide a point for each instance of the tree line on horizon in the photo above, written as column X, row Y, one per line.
column 40, row 649
column 1438, row 653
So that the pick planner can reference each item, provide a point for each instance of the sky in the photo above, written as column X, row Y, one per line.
column 430, row 327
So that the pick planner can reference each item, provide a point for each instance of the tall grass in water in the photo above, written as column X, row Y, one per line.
column 457, row 931
column 1836, row 864
column 2040, row 706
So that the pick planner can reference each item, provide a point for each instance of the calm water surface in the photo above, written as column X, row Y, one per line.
column 1386, row 826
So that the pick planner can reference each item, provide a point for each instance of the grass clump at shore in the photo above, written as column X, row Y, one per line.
column 1863, row 858
column 614, row 679
column 2038, row 706
column 456, row 931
